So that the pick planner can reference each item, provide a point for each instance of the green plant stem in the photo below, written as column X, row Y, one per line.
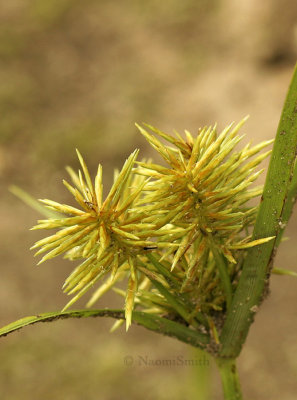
column 199, row 386
column 253, row 282
column 230, row 379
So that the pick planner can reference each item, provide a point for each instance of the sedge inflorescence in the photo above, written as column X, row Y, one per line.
column 177, row 232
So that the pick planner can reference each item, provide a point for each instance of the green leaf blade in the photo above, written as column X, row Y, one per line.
column 253, row 282
column 149, row 321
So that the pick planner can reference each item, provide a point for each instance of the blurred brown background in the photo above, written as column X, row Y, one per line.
column 79, row 74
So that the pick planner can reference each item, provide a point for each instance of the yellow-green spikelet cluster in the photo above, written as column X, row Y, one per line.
column 103, row 233
column 181, row 214
column 210, row 183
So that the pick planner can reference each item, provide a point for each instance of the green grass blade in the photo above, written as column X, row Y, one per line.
column 33, row 203
column 172, row 280
column 175, row 304
column 281, row 271
column 180, row 307
column 253, row 281
column 288, row 207
column 222, row 267
column 149, row 321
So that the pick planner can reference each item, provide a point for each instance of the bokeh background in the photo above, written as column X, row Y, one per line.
column 79, row 73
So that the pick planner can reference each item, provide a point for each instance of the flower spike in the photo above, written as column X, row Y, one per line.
column 176, row 233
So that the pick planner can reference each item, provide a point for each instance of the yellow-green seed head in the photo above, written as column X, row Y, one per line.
column 177, row 232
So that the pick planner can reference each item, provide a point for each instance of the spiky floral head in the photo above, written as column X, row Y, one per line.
column 103, row 233
column 210, row 181
column 179, row 236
